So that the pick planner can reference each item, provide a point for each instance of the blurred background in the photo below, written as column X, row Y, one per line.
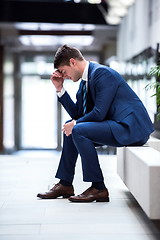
column 123, row 34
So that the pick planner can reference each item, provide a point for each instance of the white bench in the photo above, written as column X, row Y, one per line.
column 139, row 168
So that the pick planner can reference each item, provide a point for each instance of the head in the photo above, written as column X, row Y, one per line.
column 70, row 62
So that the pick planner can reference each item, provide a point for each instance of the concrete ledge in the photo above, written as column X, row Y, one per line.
column 139, row 168
column 154, row 143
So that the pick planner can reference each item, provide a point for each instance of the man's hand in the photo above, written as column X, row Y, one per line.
column 57, row 80
column 67, row 128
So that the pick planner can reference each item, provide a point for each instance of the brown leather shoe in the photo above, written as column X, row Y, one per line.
column 57, row 191
column 90, row 195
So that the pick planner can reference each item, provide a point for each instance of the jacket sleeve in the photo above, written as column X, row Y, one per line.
column 105, row 86
column 69, row 105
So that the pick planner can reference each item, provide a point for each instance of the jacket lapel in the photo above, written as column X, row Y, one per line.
column 90, row 103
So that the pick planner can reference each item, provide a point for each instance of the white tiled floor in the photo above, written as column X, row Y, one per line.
column 24, row 217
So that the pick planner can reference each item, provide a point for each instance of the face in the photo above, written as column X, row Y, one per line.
column 70, row 72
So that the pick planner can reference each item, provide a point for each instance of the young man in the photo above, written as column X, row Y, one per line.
column 107, row 112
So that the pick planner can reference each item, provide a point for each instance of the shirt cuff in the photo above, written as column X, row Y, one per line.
column 60, row 94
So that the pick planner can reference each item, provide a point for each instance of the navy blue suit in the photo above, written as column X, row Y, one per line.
column 116, row 117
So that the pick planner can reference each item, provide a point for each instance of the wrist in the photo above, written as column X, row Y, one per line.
column 59, row 89
column 61, row 92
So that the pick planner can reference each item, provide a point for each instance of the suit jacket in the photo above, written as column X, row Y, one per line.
column 110, row 98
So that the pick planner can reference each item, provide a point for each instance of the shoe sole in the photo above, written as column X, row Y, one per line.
column 63, row 196
column 85, row 201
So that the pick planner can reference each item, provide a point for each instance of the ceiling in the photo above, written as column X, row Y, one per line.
column 47, row 24
column 51, row 11
column 20, row 36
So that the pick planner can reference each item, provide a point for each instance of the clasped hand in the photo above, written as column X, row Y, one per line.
column 67, row 128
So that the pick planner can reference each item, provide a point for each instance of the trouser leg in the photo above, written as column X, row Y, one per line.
column 85, row 136
column 66, row 168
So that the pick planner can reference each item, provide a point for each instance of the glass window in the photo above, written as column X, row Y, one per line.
column 39, row 103
column 39, row 113
column 8, row 140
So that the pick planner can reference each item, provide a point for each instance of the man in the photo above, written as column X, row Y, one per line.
column 107, row 112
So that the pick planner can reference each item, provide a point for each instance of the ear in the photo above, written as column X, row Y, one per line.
column 73, row 62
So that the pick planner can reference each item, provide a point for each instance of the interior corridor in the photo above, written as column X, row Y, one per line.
column 25, row 217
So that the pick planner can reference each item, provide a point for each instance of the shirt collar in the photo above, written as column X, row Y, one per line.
column 85, row 72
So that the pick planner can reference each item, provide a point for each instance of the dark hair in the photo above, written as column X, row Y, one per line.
column 64, row 54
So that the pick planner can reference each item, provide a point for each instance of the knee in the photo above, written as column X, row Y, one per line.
column 77, row 130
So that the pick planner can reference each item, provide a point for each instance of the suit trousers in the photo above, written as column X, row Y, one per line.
column 83, row 140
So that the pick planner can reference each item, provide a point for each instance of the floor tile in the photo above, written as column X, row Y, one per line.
column 25, row 217
column 18, row 229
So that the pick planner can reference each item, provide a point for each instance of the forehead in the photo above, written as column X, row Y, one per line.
column 63, row 68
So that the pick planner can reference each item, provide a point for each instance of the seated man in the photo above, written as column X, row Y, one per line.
column 107, row 112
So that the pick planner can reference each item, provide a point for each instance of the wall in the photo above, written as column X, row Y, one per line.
column 139, row 29
column 1, row 98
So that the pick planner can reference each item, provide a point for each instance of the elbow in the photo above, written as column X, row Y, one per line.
column 99, row 116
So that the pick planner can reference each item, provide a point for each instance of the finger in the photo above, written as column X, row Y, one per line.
column 64, row 132
column 55, row 78
column 58, row 74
